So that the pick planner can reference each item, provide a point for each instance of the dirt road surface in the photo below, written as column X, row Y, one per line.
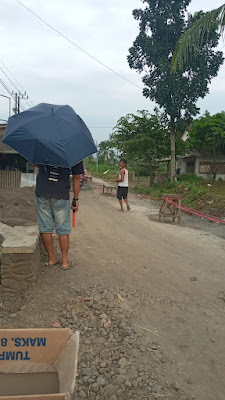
column 179, row 269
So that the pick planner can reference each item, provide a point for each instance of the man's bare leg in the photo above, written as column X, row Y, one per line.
column 121, row 205
column 48, row 244
column 128, row 206
column 64, row 246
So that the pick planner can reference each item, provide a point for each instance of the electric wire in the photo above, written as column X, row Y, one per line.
column 17, row 89
column 77, row 46
column 9, row 92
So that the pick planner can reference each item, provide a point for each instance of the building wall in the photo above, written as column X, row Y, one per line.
column 220, row 158
column 182, row 165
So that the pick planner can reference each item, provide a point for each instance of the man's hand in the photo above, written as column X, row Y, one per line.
column 76, row 207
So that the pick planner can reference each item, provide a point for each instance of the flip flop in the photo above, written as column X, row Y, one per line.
column 69, row 266
column 52, row 265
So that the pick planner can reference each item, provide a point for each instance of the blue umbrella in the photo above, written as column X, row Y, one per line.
column 50, row 135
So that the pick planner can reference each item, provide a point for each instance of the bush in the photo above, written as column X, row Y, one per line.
column 190, row 178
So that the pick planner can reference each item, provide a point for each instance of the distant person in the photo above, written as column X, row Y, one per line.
column 14, row 166
column 53, row 208
column 122, row 191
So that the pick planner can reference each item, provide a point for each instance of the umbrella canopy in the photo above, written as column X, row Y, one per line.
column 50, row 135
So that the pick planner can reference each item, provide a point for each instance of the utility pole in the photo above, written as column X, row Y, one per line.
column 15, row 109
column 18, row 97
column 18, row 104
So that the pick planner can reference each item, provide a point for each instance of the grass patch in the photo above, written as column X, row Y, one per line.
column 196, row 192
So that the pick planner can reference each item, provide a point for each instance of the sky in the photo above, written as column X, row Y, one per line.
column 52, row 70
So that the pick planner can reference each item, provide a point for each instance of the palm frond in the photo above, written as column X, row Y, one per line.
column 192, row 40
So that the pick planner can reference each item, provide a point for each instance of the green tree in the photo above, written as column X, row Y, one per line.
column 207, row 136
column 142, row 137
column 192, row 39
column 161, row 24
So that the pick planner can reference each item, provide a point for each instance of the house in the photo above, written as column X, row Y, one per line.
column 201, row 164
column 15, row 170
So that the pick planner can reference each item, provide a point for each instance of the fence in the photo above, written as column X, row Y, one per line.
column 10, row 179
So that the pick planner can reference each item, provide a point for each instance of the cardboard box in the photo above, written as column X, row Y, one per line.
column 38, row 364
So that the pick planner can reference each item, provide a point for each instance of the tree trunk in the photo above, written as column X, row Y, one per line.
column 173, row 154
column 151, row 180
column 214, row 167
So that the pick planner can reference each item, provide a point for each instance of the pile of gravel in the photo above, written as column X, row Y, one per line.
column 117, row 359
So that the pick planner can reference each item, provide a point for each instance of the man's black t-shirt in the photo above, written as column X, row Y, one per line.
column 54, row 181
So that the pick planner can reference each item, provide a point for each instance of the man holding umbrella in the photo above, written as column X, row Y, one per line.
column 56, row 139
column 53, row 208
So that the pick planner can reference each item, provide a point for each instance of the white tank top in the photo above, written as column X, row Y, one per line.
column 125, row 182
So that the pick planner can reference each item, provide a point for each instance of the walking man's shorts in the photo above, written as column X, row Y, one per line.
column 122, row 192
column 53, row 213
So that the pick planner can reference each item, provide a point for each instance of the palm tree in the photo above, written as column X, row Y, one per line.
column 193, row 37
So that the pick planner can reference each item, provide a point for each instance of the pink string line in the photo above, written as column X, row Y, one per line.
column 191, row 211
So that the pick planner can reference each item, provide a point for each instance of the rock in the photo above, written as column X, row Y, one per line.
column 155, row 388
column 97, row 297
column 113, row 397
column 128, row 384
column 135, row 384
column 96, row 306
column 193, row 279
column 120, row 379
column 95, row 387
column 13, row 315
column 82, row 394
column 103, row 364
column 110, row 389
column 123, row 362
column 176, row 386
column 132, row 373
column 87, row 357
column 111, row 297
column 134, row 353
column 122, row 371
column 101, row 381
column 87, row 372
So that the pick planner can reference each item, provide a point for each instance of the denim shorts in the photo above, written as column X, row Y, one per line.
column 53, row 213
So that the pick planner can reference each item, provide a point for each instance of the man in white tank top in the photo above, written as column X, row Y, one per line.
column 122, row 190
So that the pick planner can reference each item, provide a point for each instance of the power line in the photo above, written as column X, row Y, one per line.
column 18, row 90
column 6, row 88
column 9, row 79
column 76, row 45
column 14, row 85
column 22, row 96
column 9, row 92
column 12, row 76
